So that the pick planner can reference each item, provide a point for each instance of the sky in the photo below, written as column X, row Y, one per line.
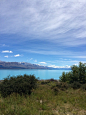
column 49, row 32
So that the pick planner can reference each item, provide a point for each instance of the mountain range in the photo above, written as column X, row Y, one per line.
column 20, row 65
column 23, row 65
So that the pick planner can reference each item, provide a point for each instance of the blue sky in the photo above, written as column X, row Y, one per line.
column 48, row 32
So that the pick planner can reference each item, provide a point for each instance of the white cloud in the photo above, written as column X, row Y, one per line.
column 35, row 60
column 3, row 45
column 79, row 57
column 67, row 66
column 56, row 21
column 76, row 64
column 54, row 66
column 7, row 51
column 6, row 56
column 31, row 58
column 45, row 52
column 62, row 52
column 39, row 64
column 17, row 55
column 43, row 62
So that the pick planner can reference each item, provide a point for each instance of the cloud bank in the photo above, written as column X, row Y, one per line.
column 62, row 22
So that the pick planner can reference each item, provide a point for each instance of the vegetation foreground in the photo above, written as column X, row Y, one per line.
column 44, row 101
column 26, row 95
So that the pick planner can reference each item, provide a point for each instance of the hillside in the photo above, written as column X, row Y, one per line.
column 25, row 65
column 20, row 65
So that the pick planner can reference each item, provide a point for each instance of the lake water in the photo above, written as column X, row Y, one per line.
column 42, row 74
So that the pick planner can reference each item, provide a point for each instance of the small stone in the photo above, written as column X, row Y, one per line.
column 41, row 101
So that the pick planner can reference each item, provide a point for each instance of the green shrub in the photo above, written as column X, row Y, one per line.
column 83, row 86
column 75, row 85
column 60, row 86
column 48, row 81
column 77, row 74
column 56, row 90
column 20, row 84
column 52, row 80
column 44, row 82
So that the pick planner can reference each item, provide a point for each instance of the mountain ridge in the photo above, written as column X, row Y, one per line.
column 24, row 65
column 20, row 65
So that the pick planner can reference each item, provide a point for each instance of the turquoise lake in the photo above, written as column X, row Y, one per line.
column 42, row 74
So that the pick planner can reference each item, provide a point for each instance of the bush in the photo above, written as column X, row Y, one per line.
column 44, row 82
column 75, row 85
column 48, row 81
column 56, row 90
column 52, row 80
column 20, row 84
column 77, row 74
column 83, row 86
column 60, row 86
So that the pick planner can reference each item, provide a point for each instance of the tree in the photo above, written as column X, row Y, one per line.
column 77, row 74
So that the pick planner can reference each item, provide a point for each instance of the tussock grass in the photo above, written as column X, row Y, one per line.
column 44, row 101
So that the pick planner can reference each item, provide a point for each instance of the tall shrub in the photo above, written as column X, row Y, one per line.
column 20, row 84
column 77, row 74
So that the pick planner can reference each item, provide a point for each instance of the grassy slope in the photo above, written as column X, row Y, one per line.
column 43, row 101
